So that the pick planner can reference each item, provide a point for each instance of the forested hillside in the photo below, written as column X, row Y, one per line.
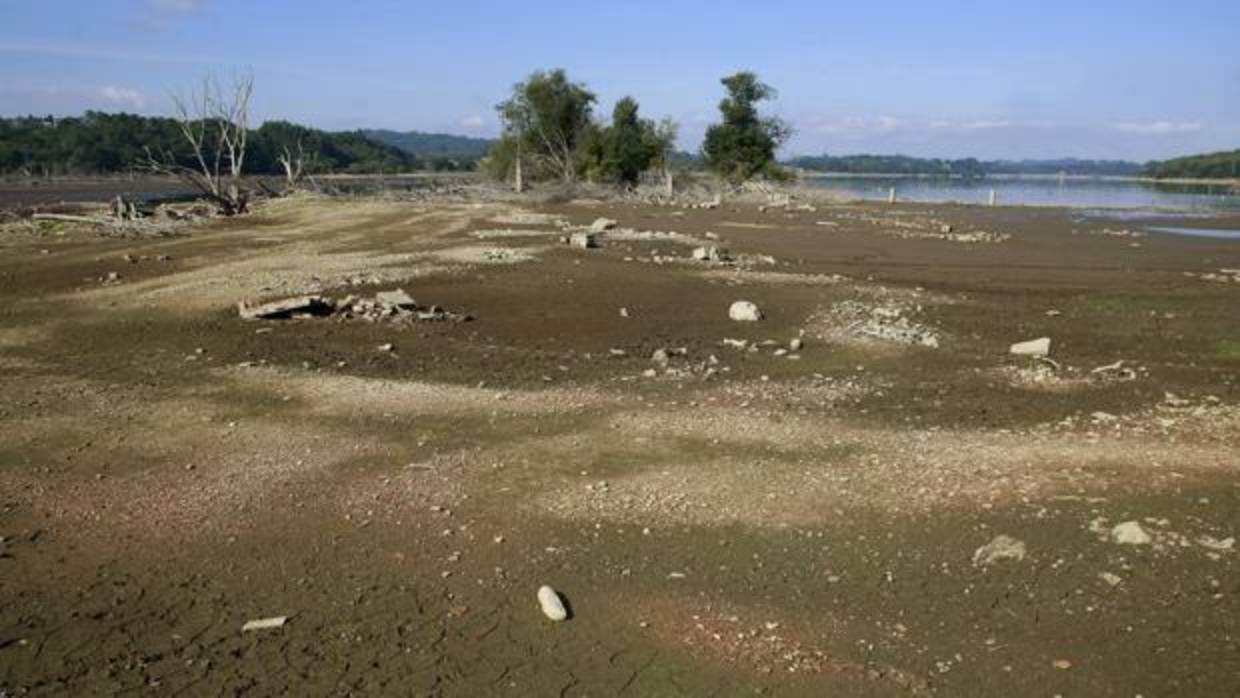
column 1221, row 165
column 99, row 143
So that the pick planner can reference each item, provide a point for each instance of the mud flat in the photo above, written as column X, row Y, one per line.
column 862, row 493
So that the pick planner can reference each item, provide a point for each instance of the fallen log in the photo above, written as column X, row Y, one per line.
column 67, row 218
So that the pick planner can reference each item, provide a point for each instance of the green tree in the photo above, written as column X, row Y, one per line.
column 744, row 144
column 630, row 148
column 546, row 120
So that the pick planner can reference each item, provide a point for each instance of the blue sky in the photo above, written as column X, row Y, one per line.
column 1134, row 80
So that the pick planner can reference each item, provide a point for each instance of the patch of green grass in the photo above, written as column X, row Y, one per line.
column 1229, row 349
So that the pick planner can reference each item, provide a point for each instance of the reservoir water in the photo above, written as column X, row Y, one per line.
column 1091, row 192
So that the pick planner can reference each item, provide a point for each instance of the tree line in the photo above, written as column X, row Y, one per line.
column 102, row 143
column 1221, row 165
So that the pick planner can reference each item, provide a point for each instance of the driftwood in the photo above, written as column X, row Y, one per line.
column 67, row 218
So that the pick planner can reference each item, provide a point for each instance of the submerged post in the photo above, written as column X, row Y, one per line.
column 993, row 198
column 891, row 195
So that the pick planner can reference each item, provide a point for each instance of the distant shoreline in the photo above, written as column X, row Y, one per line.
column 1232, row 183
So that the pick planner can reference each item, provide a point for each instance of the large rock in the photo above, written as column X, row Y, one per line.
column 551, row 604
column 1130, row 533
column 301, row 305
column 1001, row 548
column 711, row 254
column 395, row 299
column 583, row 240
column 1034, row 347
column 744, row 311
column 602, row 224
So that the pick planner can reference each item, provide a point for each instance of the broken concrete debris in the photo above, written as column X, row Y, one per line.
column 711, row 254
column 1033, row 347
column 583, row 241
column 602, row 225
column 396, row 299
column 287, row 308
column 391, row 306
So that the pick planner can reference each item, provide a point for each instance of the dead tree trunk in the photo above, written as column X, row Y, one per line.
column 216, row 127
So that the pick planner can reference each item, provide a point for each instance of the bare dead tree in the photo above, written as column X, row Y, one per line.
column 296, row 164
column 215, row 125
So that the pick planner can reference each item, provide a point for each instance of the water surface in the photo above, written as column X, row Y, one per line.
column 1039, row 191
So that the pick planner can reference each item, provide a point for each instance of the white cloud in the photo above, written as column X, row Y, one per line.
column 122, row 96
column 1158, row 127
column 473, row 121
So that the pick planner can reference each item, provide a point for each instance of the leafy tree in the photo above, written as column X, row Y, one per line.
column 546, row 120
column 630, row 149
column 743, row 145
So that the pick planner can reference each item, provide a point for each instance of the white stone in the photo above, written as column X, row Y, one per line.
column 602, row 224
column 744, row 311
column 583, row 240
column 265, row 624
column 1130, row 533
column 395, row 299
column 1034, row 347
column 551, row 603
column 1003, row 547
column 796, row 344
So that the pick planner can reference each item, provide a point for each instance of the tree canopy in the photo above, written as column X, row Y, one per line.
column 1221, row 165
column 100, row 143
column 743, row 145
column 546, row 120
column 628, row 147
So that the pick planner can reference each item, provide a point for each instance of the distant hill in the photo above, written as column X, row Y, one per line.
column 430, row 145
column 963, row 167
column 1220, row 165
column 100, row 143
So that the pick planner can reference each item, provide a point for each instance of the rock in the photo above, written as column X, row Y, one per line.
column 395, row 299
column 710, row 254
column 307, row 305
column 660, row 357
column 584, row 241
column 1003, row 547
column 744, row 311
column 387, row 347
column 551, row 603
column 1110, row 578
column 624, row 312
column 1103, row 417
column 1212, row 543
column 1130, row 533
column 945, row 229
column 265, row 624
column 1034, row 347
column 602, row 224
column 796, row 344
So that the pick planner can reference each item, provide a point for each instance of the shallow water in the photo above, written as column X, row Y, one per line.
column 1219, row 233
column 1039, row 191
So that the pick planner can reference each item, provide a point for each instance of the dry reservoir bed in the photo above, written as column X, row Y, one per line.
column 862, row 493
